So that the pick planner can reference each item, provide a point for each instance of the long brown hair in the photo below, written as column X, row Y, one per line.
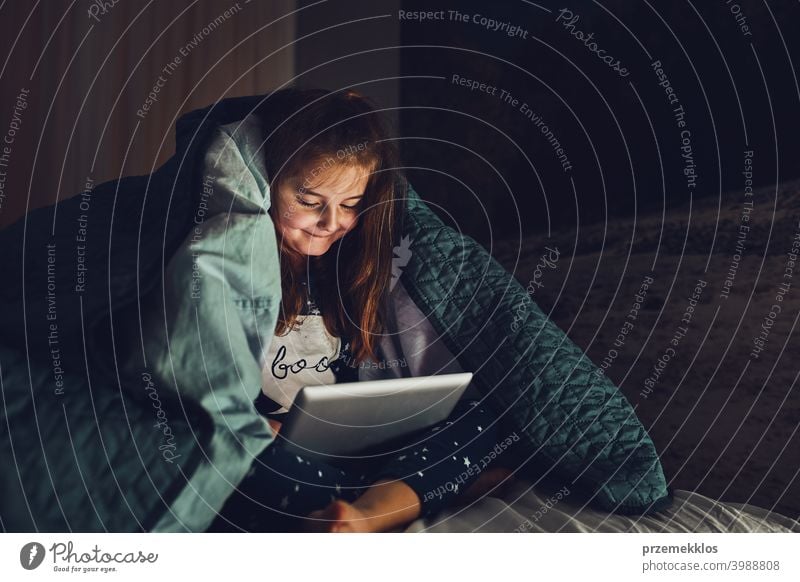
column 303, row 127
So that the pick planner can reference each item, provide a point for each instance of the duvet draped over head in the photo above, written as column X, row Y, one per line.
column 198, row 268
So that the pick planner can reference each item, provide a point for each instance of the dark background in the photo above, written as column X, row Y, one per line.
column 496, row 171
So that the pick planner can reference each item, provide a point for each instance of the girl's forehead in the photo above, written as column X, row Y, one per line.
column 334, row 181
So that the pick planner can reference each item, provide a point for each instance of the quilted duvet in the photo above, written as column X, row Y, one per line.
column 85, row 456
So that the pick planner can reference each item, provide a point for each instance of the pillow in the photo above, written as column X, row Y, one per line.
column 570, row 418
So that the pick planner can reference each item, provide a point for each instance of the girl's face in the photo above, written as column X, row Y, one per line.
column 310, row 219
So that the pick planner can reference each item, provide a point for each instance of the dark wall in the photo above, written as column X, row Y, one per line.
column 492, row 167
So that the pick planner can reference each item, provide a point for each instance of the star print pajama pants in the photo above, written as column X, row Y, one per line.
column 438, row 463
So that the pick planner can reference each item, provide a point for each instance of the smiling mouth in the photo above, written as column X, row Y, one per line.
column 316, row 235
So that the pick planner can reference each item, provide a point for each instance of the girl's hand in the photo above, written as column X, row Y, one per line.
column 275, row 425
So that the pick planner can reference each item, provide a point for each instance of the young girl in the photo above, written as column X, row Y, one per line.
column 337, row 208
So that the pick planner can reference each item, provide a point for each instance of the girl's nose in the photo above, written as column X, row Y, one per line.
column 328, row 220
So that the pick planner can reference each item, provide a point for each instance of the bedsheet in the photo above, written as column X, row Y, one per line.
column 522, row 508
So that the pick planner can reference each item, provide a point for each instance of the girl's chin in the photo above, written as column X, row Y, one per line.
column 305, row 244
column 313, row 248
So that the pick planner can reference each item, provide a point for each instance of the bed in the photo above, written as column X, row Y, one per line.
column 523, row 508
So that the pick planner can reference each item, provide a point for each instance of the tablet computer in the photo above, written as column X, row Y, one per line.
column 357, row 418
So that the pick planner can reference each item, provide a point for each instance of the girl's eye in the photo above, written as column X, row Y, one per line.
column 310, row 205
